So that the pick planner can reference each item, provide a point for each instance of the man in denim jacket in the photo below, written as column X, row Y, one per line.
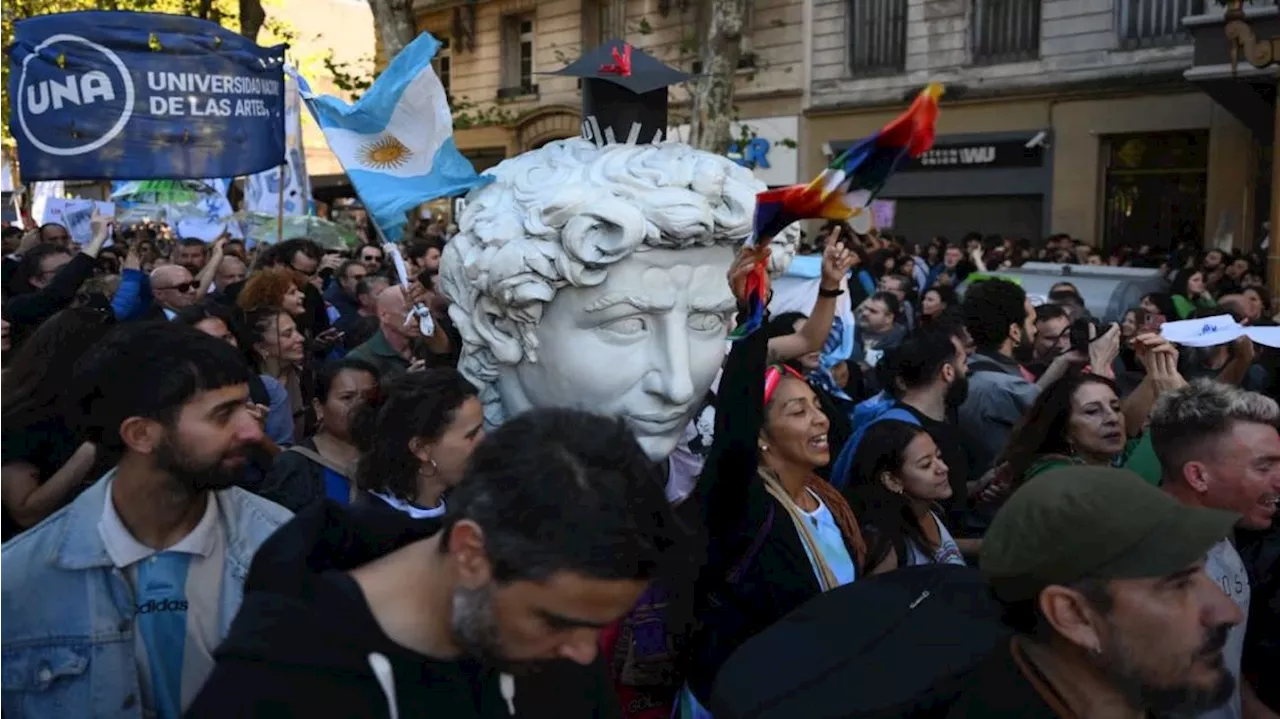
column 112, row 607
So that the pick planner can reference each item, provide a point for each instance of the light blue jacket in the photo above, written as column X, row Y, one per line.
column 68, row 640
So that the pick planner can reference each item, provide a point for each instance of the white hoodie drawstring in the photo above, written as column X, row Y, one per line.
column 507, row 685
column 381, row 667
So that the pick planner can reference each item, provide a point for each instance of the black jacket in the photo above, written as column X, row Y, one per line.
column 26, row 311
column 302, row 643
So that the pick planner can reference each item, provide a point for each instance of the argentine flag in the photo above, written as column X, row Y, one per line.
column 396, row 142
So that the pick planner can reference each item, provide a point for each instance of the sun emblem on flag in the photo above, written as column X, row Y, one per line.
column 385, row 153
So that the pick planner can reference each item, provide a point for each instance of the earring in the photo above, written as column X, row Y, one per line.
column 435, row 468
column 764, row 448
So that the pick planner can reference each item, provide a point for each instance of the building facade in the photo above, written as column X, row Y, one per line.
column 1060, row 116
column 500, row 52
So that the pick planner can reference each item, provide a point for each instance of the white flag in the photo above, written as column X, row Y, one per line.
column 41, row 193
column 262, row 190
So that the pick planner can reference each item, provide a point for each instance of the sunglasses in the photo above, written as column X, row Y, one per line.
column 774, row 375
column 183, row 287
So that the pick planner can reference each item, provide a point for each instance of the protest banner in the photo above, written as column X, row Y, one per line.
column 117, row 95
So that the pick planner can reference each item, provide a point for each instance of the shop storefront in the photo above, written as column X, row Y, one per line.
column 989, row 182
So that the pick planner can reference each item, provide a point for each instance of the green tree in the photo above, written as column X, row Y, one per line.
column 244, row 16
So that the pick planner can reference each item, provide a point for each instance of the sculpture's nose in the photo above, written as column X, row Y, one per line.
column 670, row 376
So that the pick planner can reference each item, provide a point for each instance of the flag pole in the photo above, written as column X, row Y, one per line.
column 280, row 205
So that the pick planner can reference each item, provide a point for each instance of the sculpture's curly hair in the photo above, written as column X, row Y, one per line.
column 560, row 215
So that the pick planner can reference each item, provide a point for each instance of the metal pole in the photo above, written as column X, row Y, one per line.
column 1273, row 249
column 280, row 205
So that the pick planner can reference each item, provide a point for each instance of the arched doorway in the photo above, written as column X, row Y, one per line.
column 555, row 122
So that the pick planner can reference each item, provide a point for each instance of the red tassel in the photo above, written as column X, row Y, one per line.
column 621, row 64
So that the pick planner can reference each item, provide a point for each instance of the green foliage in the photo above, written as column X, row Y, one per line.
column 223, row 12
column 346, row 76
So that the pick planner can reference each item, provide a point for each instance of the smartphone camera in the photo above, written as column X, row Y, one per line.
column 1083, row 331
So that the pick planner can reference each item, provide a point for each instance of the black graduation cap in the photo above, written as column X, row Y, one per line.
column 624, row 94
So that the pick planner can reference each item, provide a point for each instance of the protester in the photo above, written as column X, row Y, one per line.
column 878, row 328
column 415, row 440
column 398, row 345
column 172, row 289
column 371, row 258
column 1053, row 336
column 323, row 465
column 1000, row 319
column 44, row 462
column 938, row 300
column 1120, row 627
column 138, row 579
column 275, row 348
column 341, row 294
column 359, row 326
column 1190, row 293
column 489, row 617
column 898, row 480
column 231, row 270
column 48, row 277
column 191, row 254
column 761, row 500
column 1219, row 448
column 273, row 287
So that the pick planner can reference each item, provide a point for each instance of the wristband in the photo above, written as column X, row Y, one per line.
column 824, row 292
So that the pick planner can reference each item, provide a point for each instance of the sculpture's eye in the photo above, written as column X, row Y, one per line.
column 626, row 326
column 705, row 321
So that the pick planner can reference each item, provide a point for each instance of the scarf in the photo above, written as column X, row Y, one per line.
column 839, row 509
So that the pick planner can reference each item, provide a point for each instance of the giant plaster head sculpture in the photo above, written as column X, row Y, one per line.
column 593, row 275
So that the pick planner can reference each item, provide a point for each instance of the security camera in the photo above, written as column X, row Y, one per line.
column 1038, row 140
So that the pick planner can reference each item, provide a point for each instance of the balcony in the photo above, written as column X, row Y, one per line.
column 1005, row 31
column 1152, row 23
column 877, row 37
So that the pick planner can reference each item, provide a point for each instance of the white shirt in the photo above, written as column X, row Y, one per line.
column 199, row 597
column 1224, row 566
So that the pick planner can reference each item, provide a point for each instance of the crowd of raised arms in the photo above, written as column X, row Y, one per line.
column 240, row 481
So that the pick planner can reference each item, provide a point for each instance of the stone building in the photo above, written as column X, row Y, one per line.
column 1060, row 116
column 500, row 51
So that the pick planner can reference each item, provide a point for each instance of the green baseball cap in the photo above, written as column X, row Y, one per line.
column 1083, row 522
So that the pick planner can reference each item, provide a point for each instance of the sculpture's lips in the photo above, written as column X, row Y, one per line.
column 657, row 423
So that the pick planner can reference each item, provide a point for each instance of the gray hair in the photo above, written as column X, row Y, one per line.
column 560, row 215
column 1182, row 420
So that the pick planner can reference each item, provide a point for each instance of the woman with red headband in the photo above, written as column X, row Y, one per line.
column 778, row 534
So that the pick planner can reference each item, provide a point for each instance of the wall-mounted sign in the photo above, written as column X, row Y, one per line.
column 768, row 147
column 976, row 156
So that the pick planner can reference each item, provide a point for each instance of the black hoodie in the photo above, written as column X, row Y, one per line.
column 305, row 643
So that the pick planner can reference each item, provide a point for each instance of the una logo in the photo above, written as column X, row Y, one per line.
column 46, row 93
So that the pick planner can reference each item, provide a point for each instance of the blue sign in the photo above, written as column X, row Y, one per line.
column 121, row 96
column 755, row 155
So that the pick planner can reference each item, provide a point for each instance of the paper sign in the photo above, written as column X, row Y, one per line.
column 75, row 215
column 882, row 211
column 1213, row 331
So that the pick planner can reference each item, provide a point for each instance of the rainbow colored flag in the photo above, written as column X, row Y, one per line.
column 843, row 191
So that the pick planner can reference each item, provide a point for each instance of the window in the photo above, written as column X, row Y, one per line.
column 1155, row 188
column 1005, row 31
column 517, row 56
column 1143, row 23
column 877, row 37
column 444, row 66
column 602, row 21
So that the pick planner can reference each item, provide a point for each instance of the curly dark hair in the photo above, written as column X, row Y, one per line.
column 990, row 307
column 417, row 405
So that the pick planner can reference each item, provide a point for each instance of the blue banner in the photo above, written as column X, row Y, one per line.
column 124, row 96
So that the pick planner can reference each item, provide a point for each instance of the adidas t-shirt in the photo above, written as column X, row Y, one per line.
column 177, row 592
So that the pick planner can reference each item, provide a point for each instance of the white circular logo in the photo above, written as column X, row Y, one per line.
column 73, row 95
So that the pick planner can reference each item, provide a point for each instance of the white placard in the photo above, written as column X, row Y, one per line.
column 75, row 215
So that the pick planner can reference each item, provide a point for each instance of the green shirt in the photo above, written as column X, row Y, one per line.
column 1138, row 457
column 379, row 353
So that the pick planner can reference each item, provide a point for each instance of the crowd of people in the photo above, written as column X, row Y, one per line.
column 242, row 482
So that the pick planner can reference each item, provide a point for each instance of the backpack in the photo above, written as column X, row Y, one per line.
column 878, row 408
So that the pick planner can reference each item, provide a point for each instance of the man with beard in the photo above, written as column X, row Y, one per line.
column 930, row 377
column 1001, row 321
column 113, row 605
column 1102, row 578
column 1218, row 447
column 555, row 530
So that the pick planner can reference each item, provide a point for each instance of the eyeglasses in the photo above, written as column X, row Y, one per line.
column 182, row 287
column 371, row 258
column 305, row 272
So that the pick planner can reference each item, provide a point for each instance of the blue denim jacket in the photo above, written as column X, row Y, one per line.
column 68, row 645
